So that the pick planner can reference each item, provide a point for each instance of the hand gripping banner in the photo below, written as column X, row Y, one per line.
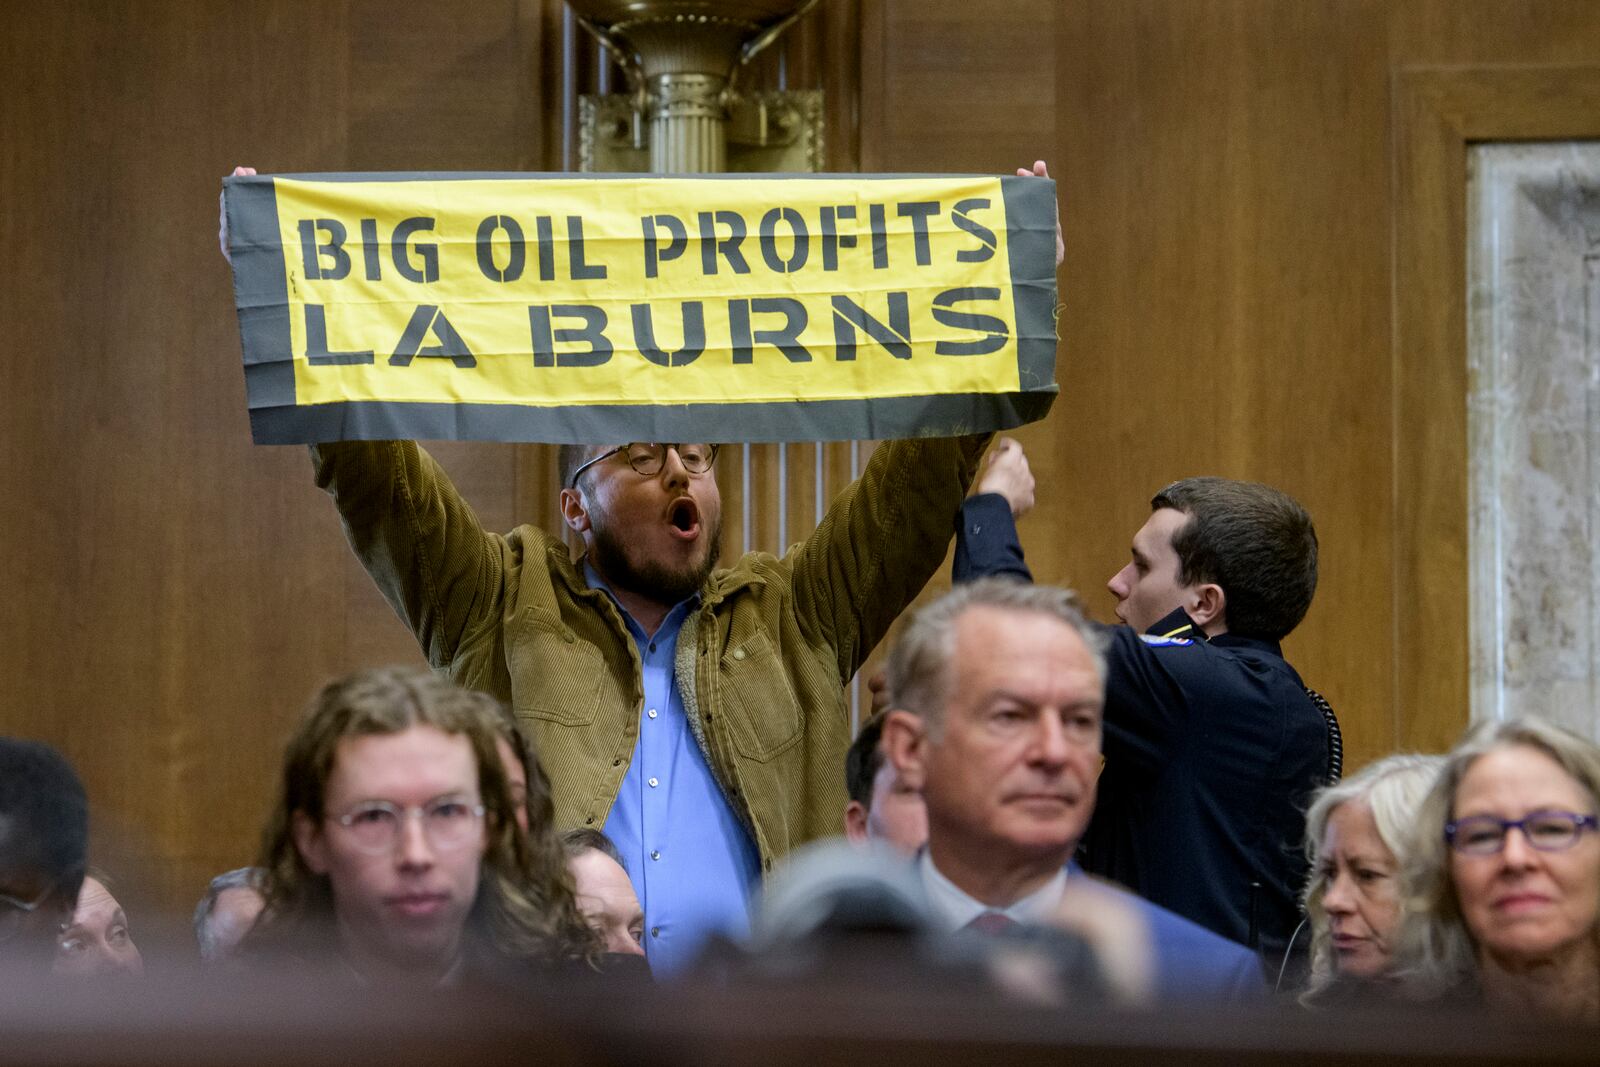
column 510, row 307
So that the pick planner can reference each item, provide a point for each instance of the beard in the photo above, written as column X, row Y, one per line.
column 660, row 582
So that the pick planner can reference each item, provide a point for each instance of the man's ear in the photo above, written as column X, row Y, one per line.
column 573, row 513
column 1208, row 608
column 855, row 822
column 309, row 842
column 905, row 744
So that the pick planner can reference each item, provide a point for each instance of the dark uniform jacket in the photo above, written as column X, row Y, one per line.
column 1212, row 749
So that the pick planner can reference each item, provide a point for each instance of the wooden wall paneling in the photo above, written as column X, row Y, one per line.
column 1224, row 185
column 962, row 87
column 1438, row 111
column 839, row 56
column 876, row 63
column 248, row 581
column 155, row 561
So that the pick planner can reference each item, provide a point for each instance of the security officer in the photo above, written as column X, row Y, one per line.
column 1212, row 741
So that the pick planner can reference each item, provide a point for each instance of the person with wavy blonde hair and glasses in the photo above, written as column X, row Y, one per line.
column 1503, row 889
column 1358, row 833
column 394, row 854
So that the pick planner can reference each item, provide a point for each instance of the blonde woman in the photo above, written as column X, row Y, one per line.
column 1357, row 836
column 1503, row 892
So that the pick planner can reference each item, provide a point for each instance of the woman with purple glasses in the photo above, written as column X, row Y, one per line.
column 1504, row 888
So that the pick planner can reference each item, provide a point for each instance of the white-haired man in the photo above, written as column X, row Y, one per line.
column 997, row 691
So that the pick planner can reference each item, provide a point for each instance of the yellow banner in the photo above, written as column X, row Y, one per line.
column 480, row 292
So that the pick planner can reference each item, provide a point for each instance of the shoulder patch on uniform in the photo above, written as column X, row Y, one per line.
column 1164, row 642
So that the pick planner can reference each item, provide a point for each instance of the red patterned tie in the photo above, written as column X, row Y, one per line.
column 993, row 923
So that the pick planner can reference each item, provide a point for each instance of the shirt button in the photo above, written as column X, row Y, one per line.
column 655, row 854
column 652, row 646
column 738, row 653
column 654, row 782
column 651, row 713
column 655, row 931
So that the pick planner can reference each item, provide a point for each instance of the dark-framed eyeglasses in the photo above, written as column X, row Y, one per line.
column 14, row 912
column 648, row 457
column 1547, row 831
column 448, row 823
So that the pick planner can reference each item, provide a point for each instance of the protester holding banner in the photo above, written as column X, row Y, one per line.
column 697, row 715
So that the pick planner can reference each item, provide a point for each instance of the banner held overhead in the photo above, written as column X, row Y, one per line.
column 511, row 307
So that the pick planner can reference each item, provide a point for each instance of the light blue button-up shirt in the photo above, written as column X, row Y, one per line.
column 690, row 858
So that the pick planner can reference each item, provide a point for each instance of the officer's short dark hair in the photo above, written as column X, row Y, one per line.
column 1255, row 541
column 863, row 760
column 44, row 817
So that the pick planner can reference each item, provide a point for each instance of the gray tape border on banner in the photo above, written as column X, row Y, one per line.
column 822, row 420
column 260, row 291
column 1033, row 297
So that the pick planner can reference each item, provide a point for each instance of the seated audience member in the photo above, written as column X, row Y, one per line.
column 1503, row 896
column 44, row 834
column 1358, row 834
column 1213, row 744
column 96, row 943
column 998, row 689
column 605, row 895
column 227, row 912
column 882, row 807
column 394, row 852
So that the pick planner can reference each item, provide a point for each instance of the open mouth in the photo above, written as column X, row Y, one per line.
column 683, row 515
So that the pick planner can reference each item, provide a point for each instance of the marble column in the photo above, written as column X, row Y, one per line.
column 1534, row 431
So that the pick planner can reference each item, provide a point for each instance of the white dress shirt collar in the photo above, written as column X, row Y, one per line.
column 953, row 909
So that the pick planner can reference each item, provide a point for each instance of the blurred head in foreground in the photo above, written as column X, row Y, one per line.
column 395, row 842
column 44, row 835
column 605, row 894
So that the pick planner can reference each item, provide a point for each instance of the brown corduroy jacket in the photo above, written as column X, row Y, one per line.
column 761, row 666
